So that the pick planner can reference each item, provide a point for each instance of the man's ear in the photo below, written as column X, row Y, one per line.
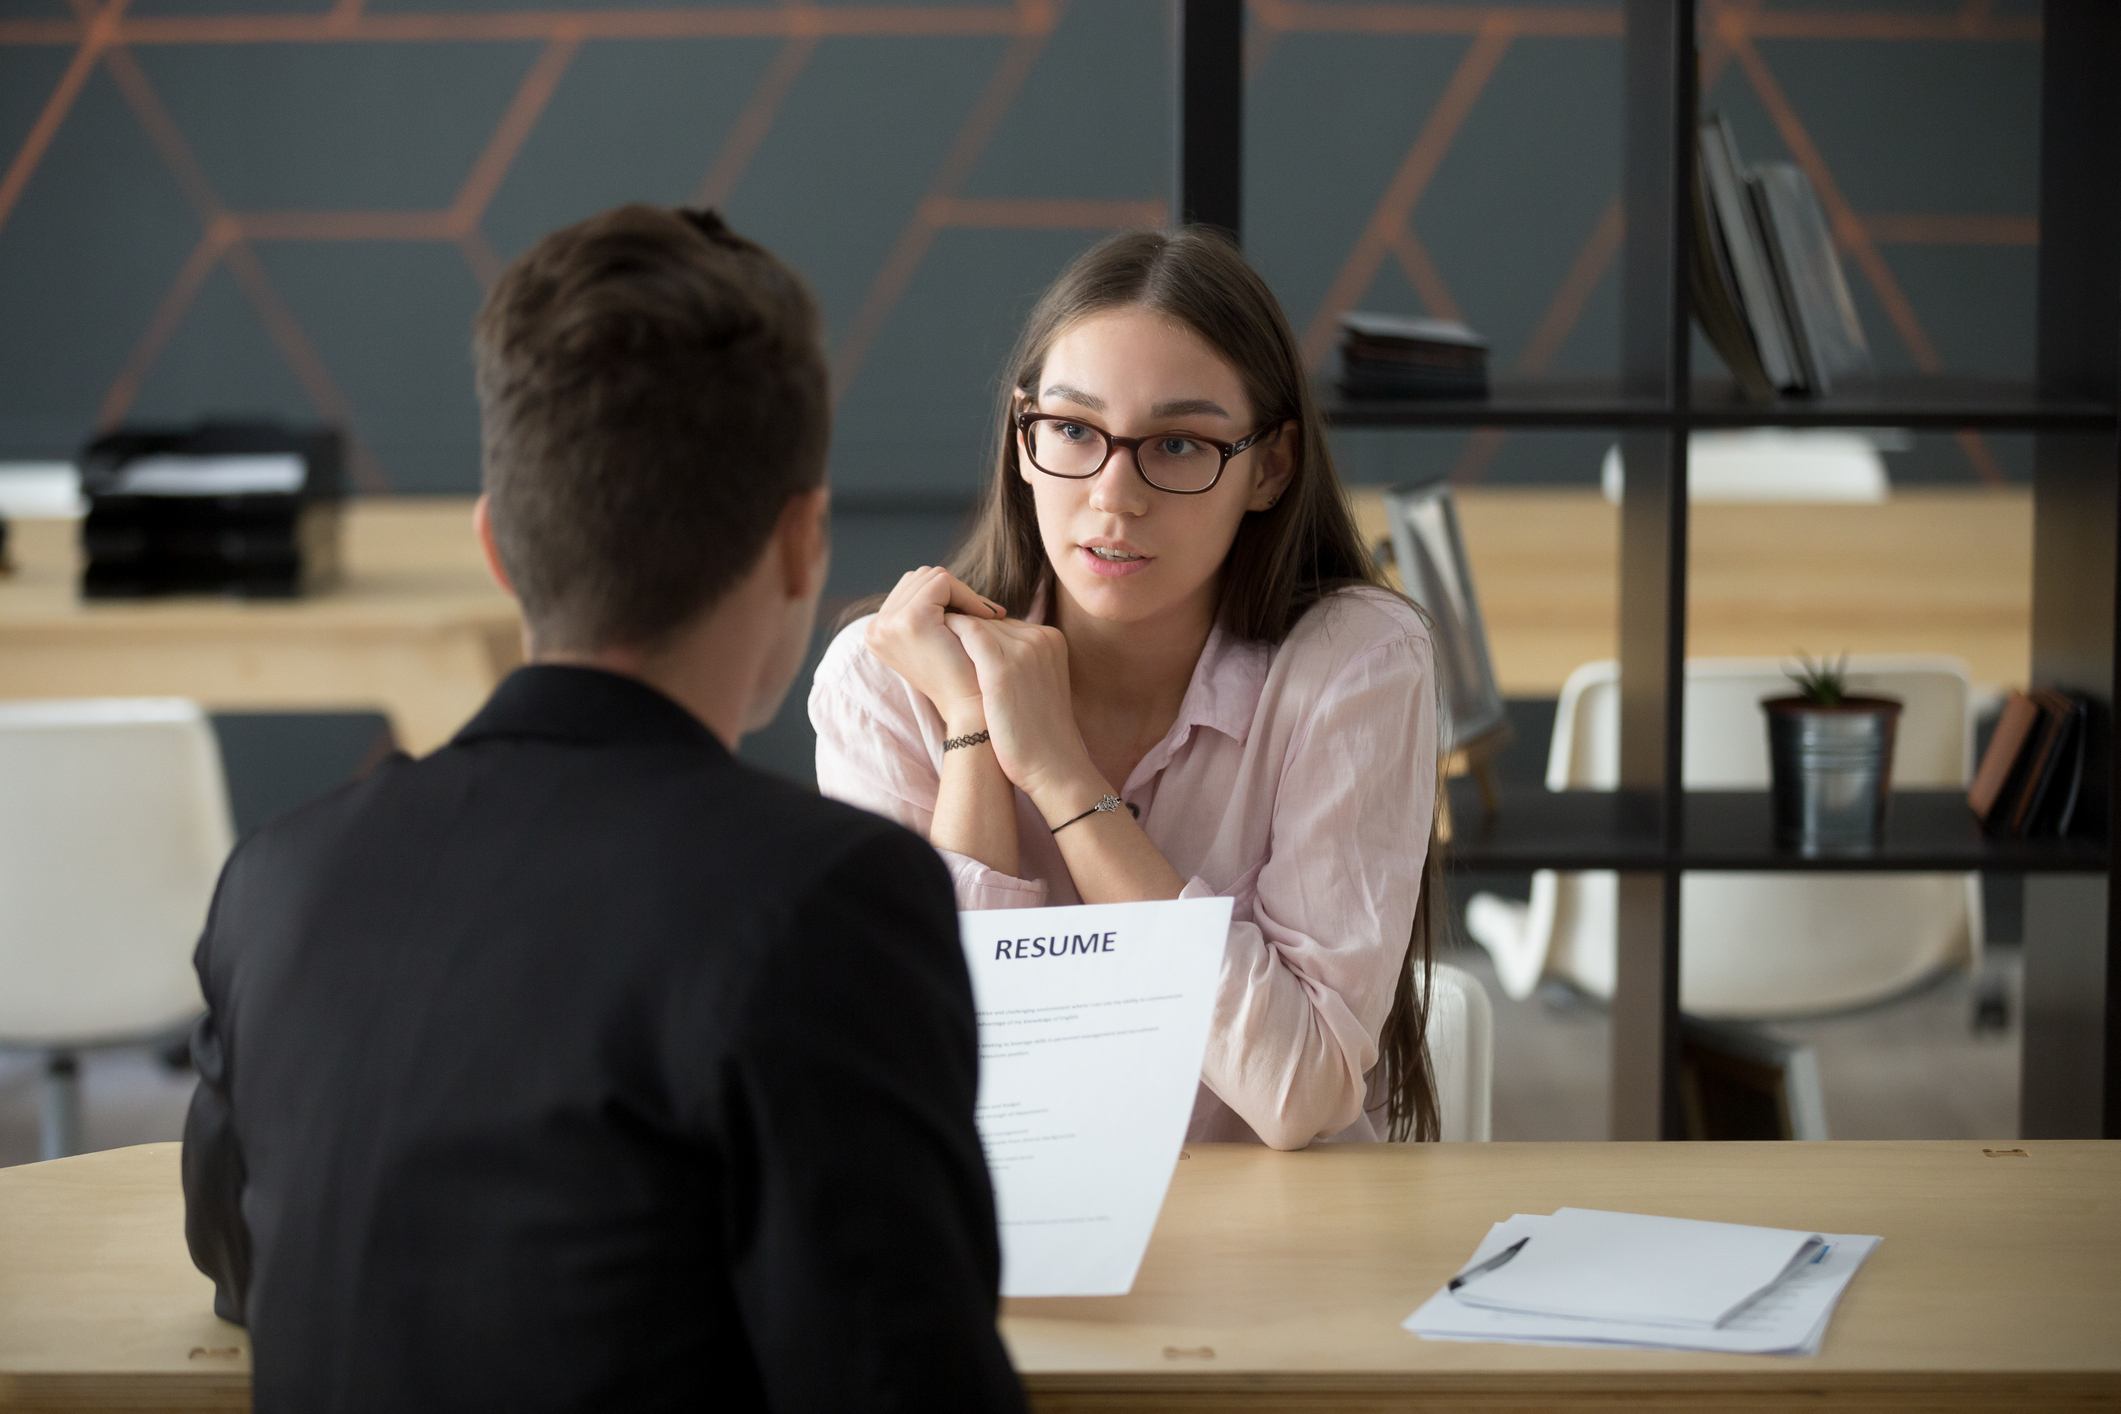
column 1277, row 463
column 482, row 526
column 803, row 541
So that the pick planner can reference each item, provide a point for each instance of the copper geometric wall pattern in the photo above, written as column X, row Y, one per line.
column 291, row 206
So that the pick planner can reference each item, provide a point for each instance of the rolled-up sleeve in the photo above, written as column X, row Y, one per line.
column 873, row 752
column 1308, row 977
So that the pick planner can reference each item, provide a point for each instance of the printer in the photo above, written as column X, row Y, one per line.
column 248, row 509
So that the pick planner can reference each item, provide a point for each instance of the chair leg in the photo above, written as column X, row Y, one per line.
column 59, row 1133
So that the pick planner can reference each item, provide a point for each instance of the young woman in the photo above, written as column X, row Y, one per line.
column 1161, row 667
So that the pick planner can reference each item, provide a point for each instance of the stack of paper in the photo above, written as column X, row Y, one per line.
column 1584, row 1277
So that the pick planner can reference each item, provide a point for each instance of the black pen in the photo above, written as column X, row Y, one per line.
column 1488, row 1266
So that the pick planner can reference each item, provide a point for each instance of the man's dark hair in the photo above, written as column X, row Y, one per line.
column 652, row 391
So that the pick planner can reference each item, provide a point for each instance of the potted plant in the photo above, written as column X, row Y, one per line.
column 1830, row 759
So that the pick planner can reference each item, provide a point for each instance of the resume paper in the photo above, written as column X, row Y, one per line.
column 1092, row 1024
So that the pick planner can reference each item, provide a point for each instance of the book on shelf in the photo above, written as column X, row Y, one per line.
column 2013, row 725
column 1829, row 339
column 1738, row 231
column 1406, row 356
column 1767, row 284
column 1714, row 288
column 2055, row 768
column 2030, row 776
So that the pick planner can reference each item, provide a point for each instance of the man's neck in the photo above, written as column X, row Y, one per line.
column 706, row 672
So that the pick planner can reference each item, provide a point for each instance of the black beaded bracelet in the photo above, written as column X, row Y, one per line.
column 952, row 743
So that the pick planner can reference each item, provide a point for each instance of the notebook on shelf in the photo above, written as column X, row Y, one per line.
column 2032, row 772
column 1827, row 336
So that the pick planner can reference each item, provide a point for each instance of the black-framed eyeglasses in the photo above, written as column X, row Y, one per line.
column 1181, row 463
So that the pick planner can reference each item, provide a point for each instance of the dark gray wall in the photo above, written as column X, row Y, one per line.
column 929, row 166
column 291, row 206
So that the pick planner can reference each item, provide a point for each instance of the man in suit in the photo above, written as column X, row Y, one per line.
column 578, row 1066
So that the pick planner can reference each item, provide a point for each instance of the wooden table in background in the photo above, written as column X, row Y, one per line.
column 418, row 630
column 1926, row 571
column 415, row 628
column 1278, row 1281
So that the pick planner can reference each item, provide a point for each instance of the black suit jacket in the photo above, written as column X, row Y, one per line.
column 580, row 1066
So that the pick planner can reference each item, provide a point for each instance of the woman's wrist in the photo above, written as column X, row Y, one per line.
column 1068, row 793
column 961, row 715
column 967, row 717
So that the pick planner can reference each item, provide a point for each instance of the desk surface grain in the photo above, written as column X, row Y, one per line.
column 416, row 627
column 406, row 564
column 1927, row 571
column 1279, row 1281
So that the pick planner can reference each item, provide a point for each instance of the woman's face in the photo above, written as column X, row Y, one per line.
column 1122, row 550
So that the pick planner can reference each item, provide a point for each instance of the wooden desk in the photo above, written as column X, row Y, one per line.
column 1278, row 1281
column 416, row 628
column 1927, row 571
column 420, row 631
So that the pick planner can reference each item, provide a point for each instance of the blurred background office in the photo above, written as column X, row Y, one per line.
column 288, row 209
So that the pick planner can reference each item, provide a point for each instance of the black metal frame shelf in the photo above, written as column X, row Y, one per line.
column 1574, row 829
column 2072, row 988
column 1937, row 403
column 1926, row 830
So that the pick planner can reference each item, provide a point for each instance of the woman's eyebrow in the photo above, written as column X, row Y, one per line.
column 1186, row 407
column 1180, row 407
column 1075, row 395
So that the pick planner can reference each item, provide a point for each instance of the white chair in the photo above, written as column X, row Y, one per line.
column 1462, row 1053
column 1753, row 945
column 114, row 822
column 1773, row 464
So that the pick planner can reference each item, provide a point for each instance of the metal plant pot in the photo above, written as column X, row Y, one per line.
column 1832, row 771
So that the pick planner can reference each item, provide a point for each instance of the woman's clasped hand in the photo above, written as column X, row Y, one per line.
column 910, row 634
column 983, row 671
column 1023, row 680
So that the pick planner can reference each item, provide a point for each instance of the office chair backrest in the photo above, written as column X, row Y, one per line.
column 1462, row 1052
column 114, row 822
column 1763, row 945
column 1726, row 732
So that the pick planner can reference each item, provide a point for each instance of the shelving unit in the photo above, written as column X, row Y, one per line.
column 1733, row 830
column 1651, row 830
column 1947, row 404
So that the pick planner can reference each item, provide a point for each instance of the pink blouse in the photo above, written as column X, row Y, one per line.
column 1298, row 780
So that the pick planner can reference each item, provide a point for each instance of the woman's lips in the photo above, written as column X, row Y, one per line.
column 1111, row 569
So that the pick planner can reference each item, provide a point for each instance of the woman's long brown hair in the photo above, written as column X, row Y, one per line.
column 1284, row 560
